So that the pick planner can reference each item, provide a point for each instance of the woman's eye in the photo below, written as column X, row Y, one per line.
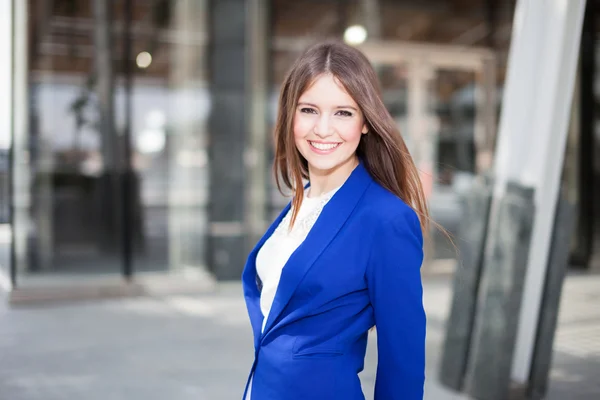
column 344, row 113
column 306, row 110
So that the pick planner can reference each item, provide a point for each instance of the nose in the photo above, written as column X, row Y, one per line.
column 323, row 127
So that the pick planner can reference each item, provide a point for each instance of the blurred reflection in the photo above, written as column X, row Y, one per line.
column 78, row 125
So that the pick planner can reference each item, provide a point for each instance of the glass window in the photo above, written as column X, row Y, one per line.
column 118, row 104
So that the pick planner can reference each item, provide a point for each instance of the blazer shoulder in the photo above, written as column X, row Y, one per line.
column 380, row 204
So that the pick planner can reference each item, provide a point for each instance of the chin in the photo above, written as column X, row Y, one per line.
column 320, row 164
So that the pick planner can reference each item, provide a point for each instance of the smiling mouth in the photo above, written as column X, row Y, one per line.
column 324, row 146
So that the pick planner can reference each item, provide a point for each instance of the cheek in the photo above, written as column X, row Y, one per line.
column 302, row 127
column 351, row 132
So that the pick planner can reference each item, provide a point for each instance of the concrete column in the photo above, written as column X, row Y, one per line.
column 472, row 234
column 554, row 28
column 486, row 110
column 423, row 134
column 557, row 267
column 111, row 201
column 188, row 164
column 257, row 154
column 103, row 66
column 38, row 166
column 20, row 168
column 488, row 376
column 583, row 160
column 237, row 144
column 371, row 11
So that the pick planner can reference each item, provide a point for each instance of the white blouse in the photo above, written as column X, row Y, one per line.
column 277, row 249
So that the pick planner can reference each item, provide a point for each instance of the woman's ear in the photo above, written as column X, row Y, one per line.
column 365, row 129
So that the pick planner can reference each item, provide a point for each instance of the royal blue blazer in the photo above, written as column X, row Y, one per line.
column 358, row 267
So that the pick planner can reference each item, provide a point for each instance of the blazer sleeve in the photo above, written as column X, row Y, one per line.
column 396, row 294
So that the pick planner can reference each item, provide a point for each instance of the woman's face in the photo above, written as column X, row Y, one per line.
column 328, row 125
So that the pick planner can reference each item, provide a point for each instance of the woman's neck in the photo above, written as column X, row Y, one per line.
column 324, row 181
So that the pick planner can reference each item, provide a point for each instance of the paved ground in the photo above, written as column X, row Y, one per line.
column 199, row 347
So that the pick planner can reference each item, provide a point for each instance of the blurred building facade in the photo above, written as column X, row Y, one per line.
column 136, row 138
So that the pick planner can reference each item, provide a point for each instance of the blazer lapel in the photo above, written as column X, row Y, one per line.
column 332, row 218
column 249, row 280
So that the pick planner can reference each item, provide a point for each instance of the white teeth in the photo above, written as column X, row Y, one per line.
column 324, row 146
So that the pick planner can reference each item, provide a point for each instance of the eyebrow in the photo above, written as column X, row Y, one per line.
column 315, row 106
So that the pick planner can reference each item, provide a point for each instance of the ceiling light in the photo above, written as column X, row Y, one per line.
column 355, row 34
column 143, row 60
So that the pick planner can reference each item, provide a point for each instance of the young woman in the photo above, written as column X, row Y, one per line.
column 345, row 254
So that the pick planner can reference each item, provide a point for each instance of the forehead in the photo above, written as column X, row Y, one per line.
column 327, row 90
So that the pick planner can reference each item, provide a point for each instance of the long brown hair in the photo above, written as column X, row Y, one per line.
column 382, row 149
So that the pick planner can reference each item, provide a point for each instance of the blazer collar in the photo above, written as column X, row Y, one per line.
column 332, row 218
column 250, row 278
